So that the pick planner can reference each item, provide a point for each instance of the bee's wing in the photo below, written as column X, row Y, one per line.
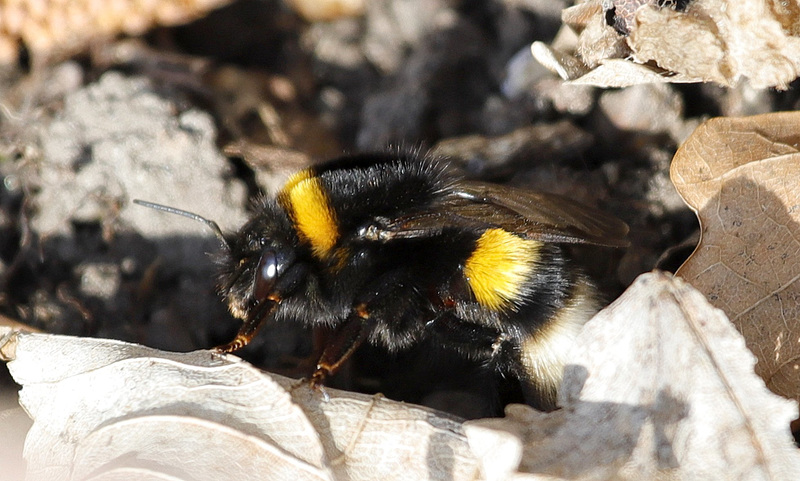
column 547, row 217
column 534, row 215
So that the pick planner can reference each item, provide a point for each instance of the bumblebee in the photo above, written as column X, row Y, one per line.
column 391, row 249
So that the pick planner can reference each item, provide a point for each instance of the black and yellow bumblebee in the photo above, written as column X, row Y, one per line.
column 392, row 248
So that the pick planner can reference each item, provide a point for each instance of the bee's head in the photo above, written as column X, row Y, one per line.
column 252, row 260
column 253, row 266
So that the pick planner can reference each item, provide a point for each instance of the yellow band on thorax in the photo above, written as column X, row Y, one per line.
column 498, row 268
column 306, row 201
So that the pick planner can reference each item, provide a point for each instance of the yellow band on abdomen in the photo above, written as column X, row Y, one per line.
column 499, row 267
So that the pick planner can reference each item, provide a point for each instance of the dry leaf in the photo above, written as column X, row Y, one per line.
column 742, row 178
column 327, row 10
column 704, row 41
column 597, row 41
column 565, row 65
column 54, row 28
column 613, row 73
column 659, row 386
column 14, row 423
column 111, row 410
column 723, row 41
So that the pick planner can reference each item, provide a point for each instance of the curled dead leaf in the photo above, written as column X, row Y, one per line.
column 659, row 386
column 106, row 409
column 740, row 175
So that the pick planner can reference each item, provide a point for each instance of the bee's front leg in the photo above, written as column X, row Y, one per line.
column 384, row 302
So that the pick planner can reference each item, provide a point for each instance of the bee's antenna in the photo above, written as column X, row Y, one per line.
column 172, row 210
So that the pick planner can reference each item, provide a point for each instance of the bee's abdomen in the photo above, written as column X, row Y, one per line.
column 543, row 352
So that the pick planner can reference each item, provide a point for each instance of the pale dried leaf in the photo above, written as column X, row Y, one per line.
column 618, row 73
column 741, row 176
column 723, row 41
column 566, row 40
column 711, row 40
column 564, row 65
column 660, row 385
column 609, row 73
column 499, row 450
column 111, row 410
column 598, row 41
column 14, row 423
column 680, row 42
column 579, row 15
column 376, row 438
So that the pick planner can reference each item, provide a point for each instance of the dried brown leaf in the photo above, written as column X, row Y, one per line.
column 742, row 178
column 659, row 386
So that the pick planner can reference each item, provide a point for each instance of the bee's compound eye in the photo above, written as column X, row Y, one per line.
column 266, row 274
